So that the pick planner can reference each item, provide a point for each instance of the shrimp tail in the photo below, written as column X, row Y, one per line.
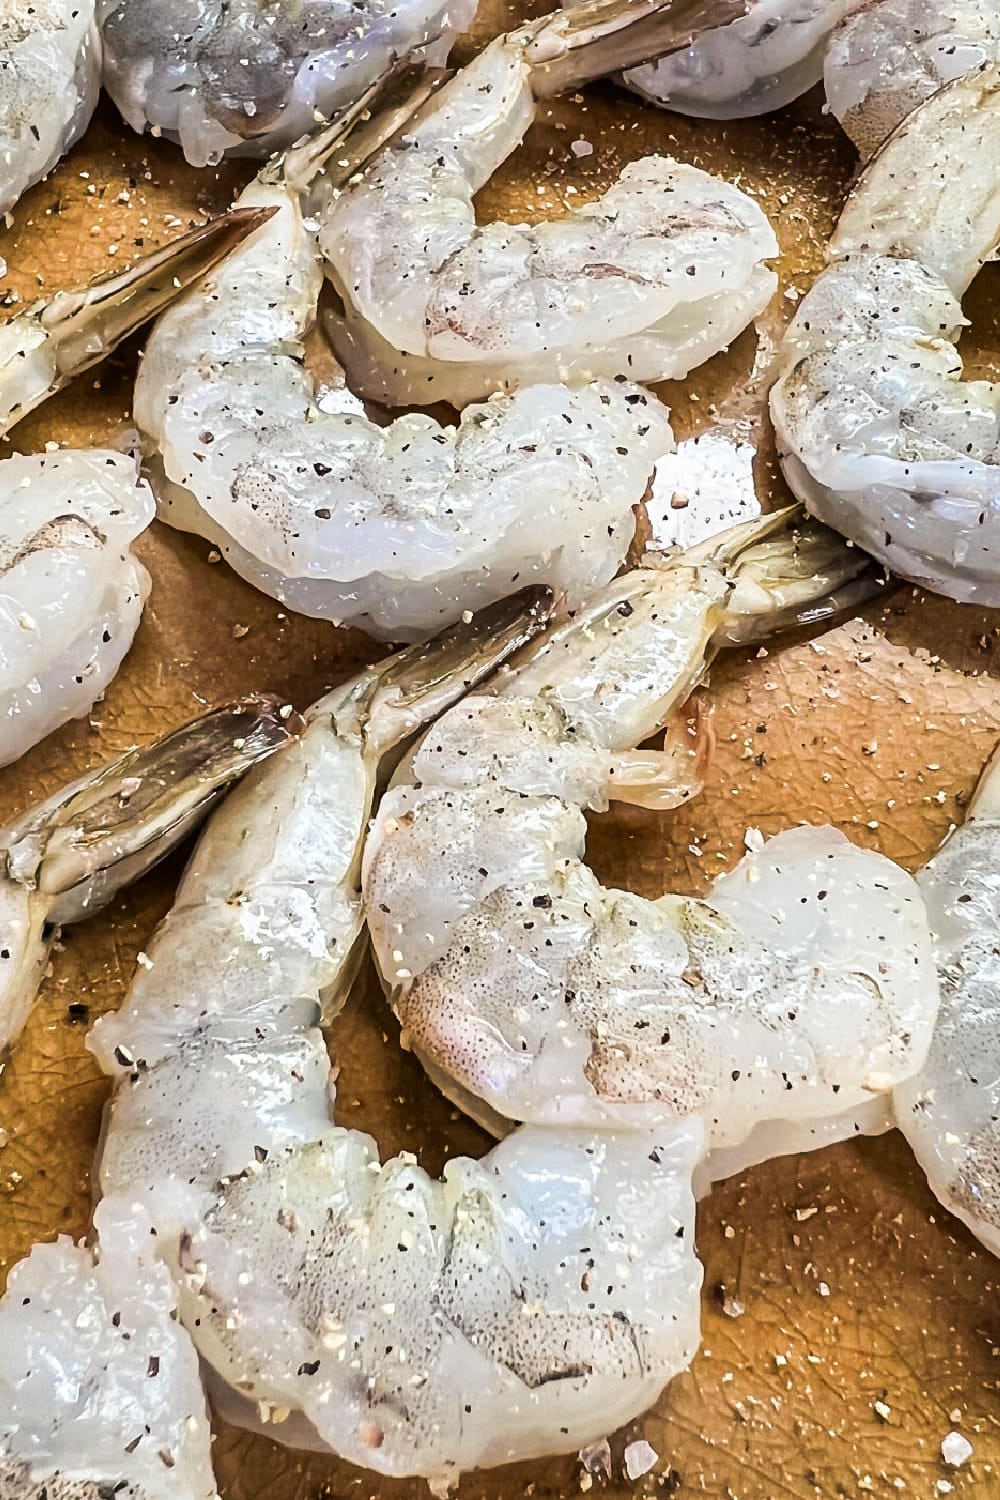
column 599, row 37
column 84, row 844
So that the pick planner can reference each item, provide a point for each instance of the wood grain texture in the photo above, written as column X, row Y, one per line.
column 849, row 1285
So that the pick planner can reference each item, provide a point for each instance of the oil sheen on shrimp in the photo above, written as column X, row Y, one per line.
column 524, row 1304
column 660, row 272
column 877, row 431
column 401, row 528
column 247, row 77
column 100, row 1392
column 70, row 855
column 50, row 75
column 950, row 1112
column 800, row 989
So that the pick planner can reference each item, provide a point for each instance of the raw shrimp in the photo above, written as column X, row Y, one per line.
column 800, row 989
column 649, row 280
column 247, row 77
column 50, row 75
column 100, row 1393
column 398, row 529
column 69, row 856
column 524, row 1304
column 950, row 1112
column 877, row 432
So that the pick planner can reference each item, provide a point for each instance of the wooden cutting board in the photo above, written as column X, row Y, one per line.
column 849, row 1322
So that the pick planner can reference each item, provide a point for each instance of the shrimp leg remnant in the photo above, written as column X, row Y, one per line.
column 523, row 1304
column 878, row 433
column 401, row 528
column 247, row 77
column 68, row 857
column 100, row 1392
column 950, row 1112
column 801, row 988
column 50, row 75
column 662, row 271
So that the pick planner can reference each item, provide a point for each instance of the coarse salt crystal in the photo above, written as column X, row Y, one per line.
column 639, row 1459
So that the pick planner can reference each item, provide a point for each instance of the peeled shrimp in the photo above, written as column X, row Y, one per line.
column 800, row 989
column 649, row 280
column 878, row 433
column 525, row 1303
column 100, row 1392
column 247, row 77
column 72, row 854
column 950, row 1111
column 398, row 529
column 50, row 75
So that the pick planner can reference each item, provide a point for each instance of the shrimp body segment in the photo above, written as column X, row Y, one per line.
column 248, row 77
column 878, row 433
column 800, row 989
column 100, row 1392
column 949, row 1111
column 400, row 528
column 50, row 75
column 520, row 1305
column 649, row 280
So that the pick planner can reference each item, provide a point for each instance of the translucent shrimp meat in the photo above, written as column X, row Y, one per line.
column 398, row 529
column 50, row 75
column 72, row 853
column 100, row 1392
column 247, row 77
column 523, row 1304
column 950, row 1111
column 877, row 432
column 649, row 280
column 800, row 989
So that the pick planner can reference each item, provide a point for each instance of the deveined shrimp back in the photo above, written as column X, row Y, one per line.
column 950, row 1112
column 249, row 76
column 800, row 989
column 50, row 74
column 878, row 433
column 398, row 528
column 523, row 1304
column 649, row 280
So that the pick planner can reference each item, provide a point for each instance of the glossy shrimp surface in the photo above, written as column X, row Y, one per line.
column 523, row 1304
column 397, row 528
column 878, row 433
column 800, row 989
column 248, row 76
column 50, row 73
column 649, row 280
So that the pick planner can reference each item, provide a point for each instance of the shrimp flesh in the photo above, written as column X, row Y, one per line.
column 657, row 275
column 801, row 988
column 525, row 1303
column 247, row 77
column 949, row 1112
column 398, row 529
column 50, row 75
column 100, row 1392
column 877, row 432
column 68, row 857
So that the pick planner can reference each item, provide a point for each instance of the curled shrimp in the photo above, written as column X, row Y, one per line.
column 100, row 1392
column 523, row 1304
column 878, row 59
column 801, row 988
column 401, row 528
column 949, row 1112
column 877, row 432
column 662, row 271
column 68, row 857
column 247, row 77
column 50, row 75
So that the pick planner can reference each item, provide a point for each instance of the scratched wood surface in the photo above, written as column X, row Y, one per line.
column 833, row 1281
